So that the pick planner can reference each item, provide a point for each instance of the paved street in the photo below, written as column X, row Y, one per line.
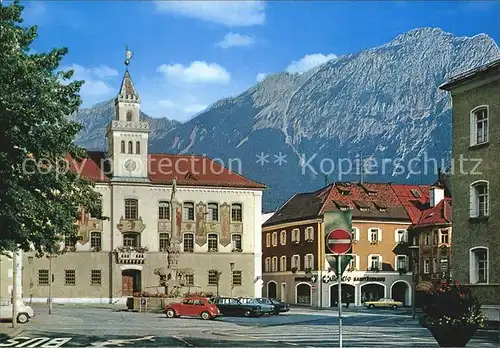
column 85, row 326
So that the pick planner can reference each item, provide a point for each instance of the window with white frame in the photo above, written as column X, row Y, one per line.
column 427, row 266
column 427, row 238
column 164, row 210
column 353, row 263
column 188, row 211
column 275, row 239
column 236, row 242
column 355, row 234
column 212, row 212
column 274, row 264
column 164, row 241
column 309, row 261
column 236, row 212
column 296, row 235
column 444, row 236
column 479, row 265
column 213, row 242
column 374, row 235
column 283, row 263
column 283, row 237
column 479, row 126
column 268, row 240
column 401, row 236
column 434, row 265
column 95, row 240
column 188, row 242
column 374, row 262
column 309, row 234
column 479, row 199
column 267, row 264
column 295, row 262
column 131, row 239
column 401, row 262
column 131, row 209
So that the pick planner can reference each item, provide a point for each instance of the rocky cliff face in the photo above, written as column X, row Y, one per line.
column 96, row 119
column 382, row 105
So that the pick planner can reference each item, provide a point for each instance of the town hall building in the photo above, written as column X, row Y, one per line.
column 177, row 224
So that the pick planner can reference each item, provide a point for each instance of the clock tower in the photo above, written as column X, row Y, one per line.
column 127, row 135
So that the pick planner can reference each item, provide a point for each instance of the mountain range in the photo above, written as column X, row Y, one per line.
column 380, row 110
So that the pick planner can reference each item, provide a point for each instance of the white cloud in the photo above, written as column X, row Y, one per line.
column 104, row 72
column 261, row 76
column 230, row 13
column 236, row 40
column 95, row 88
column 308, row 62
column 196, row 72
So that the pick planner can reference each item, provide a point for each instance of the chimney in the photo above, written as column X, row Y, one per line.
column 436, row 195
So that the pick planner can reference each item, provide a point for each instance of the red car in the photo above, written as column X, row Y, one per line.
column 193, row 307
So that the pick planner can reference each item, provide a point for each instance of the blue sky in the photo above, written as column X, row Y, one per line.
column 189, row 54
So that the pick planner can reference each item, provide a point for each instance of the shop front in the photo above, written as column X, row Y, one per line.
column 359, row 287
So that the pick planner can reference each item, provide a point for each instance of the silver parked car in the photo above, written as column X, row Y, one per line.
column 267, row 307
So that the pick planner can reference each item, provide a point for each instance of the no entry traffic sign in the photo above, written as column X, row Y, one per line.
column 339, row 241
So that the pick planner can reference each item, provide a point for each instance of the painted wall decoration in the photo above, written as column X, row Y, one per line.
column 86, row 225
column 125, row 225
column 225, row 235
column 201, row 230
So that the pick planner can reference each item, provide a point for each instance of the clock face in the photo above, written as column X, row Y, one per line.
column 130, row 165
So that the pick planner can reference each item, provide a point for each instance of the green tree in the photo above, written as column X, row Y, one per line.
column 40, row 198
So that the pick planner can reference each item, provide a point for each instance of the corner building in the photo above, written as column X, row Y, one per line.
column 176, row 224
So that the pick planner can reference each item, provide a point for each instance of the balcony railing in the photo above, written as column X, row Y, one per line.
column 130, row 255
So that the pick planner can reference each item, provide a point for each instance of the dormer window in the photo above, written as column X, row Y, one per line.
column 415, row 193
column 362, row 206
column 342, row 206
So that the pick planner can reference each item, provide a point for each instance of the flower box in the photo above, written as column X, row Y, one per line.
column 451, row 314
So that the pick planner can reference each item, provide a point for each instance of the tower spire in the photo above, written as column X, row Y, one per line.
column 127, row 90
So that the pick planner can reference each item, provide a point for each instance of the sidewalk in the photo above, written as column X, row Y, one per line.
column 7, row 329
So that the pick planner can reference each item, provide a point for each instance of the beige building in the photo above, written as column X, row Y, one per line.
column 295, row 268
column 475, row 183
column 176, row 224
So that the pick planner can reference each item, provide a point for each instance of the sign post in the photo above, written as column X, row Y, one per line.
column 338, row 243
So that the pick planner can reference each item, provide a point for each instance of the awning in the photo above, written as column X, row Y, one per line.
column 424, row 286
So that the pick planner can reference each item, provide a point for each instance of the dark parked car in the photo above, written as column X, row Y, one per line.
column 280, row 307
column 266, row 306
column 232, row 307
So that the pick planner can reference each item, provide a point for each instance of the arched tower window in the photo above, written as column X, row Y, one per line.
column 123, row 146
column 138, row 147
column 129, row 116
column 130, row 147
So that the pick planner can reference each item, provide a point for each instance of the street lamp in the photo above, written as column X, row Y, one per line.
column 218, row 279
column 231, row 267
column 51, row 280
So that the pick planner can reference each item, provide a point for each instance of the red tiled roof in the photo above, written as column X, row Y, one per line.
column 413, row 205
column 438, row 215
column 382, row 195
column 188, row 170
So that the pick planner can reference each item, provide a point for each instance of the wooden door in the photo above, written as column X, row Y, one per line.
column 127, row 284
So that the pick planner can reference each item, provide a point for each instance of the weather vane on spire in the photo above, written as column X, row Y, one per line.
column 128, row 55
